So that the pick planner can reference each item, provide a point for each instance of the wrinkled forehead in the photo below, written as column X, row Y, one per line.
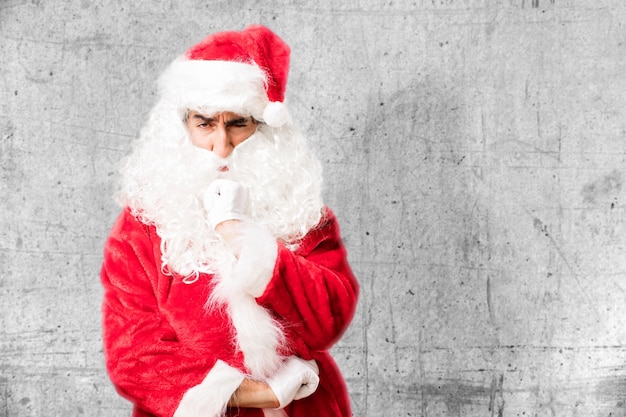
column 202, row 113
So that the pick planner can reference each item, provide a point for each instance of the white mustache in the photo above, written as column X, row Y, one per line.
column 211, row 161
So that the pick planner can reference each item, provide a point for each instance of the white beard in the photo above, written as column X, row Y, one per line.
column 164, row 178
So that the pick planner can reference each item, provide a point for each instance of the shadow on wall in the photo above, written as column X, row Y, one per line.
column 423, row 213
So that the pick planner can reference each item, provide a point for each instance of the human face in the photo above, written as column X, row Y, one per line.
column 219, row 133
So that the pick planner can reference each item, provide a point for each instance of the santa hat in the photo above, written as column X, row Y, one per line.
column 243, row 72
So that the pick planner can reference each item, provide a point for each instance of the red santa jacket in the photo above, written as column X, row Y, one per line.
column 166, row 351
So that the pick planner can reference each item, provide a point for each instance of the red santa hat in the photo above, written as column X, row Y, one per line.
column 243, row 72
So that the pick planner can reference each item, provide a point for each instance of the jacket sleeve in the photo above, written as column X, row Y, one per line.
column 144, row 359
column 312, row 289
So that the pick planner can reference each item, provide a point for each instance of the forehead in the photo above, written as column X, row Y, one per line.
column 228, row 115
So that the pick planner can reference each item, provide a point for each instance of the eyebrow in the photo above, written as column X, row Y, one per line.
column 237, row 121
column 203, row 118
column 231, row 122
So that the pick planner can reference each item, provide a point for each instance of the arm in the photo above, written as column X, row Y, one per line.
column 253, row 394
column 313, row 289
column 144, row 359
column 294, row 380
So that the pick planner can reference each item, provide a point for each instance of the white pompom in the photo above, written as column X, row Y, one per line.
column 276, row 114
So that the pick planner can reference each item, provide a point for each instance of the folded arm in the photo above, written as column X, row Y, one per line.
column 144, row 358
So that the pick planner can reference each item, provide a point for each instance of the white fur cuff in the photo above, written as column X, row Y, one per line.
column 210, row 397
column 257, row 258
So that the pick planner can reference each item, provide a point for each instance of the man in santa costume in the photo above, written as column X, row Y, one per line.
column 225, row 277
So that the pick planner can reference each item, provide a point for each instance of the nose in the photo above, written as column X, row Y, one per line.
column 221, row 141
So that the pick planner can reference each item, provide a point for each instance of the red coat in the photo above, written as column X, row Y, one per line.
column 161, row 341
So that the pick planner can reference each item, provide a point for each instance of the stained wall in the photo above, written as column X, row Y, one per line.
column 473, row 152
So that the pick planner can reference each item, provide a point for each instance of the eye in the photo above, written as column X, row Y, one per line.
column 243, row 122
column 203, row 125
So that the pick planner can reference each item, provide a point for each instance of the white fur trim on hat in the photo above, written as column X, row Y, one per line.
column 276, row 114
column 216, row 86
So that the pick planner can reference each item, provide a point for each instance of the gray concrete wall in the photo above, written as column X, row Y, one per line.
column 474, row 153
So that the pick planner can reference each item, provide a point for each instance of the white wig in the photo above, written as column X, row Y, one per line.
column 164, row 176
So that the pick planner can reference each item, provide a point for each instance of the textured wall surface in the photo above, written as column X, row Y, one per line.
column 474, row 152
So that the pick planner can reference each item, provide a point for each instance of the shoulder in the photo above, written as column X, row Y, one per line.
column 325, row 232
column 128, row 223
column 129, row 231
column 129, row 242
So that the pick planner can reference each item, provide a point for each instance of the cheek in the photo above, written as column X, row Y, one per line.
column 199, row 139
column 245, row 136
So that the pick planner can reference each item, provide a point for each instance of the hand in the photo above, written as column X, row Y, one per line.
column 295, row 380
column 253, row 394
column 224, row 200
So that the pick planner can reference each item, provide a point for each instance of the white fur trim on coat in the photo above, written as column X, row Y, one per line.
column 256, row 262
column 258, row 335
column 210, row 397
